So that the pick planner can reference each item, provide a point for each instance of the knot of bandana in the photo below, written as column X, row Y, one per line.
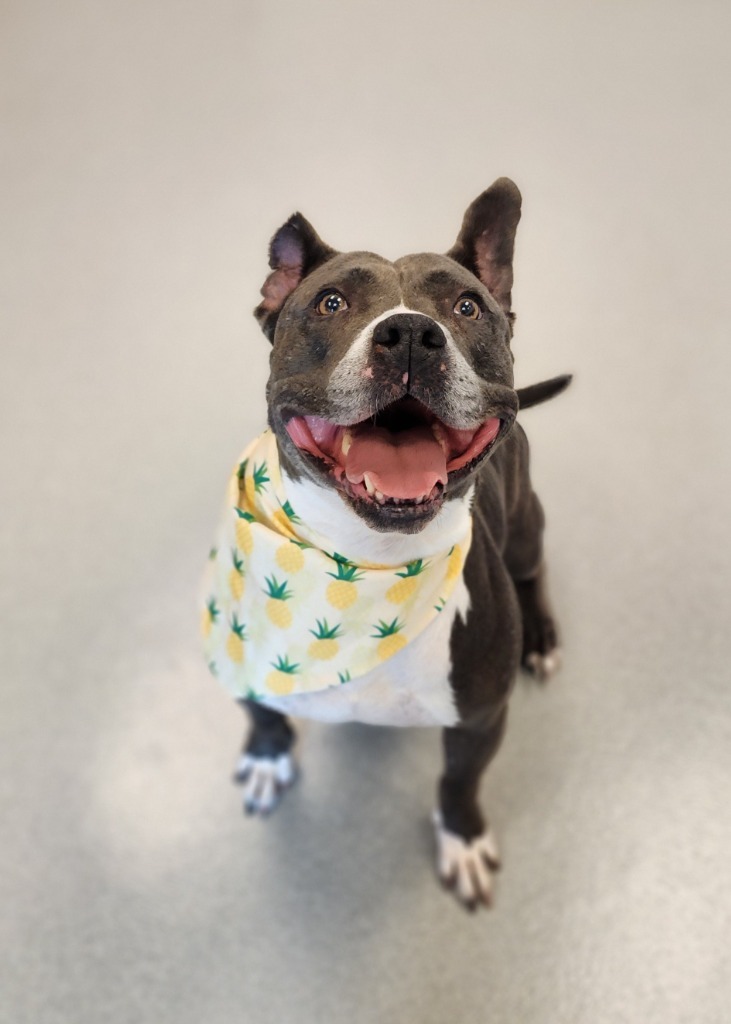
column 282, row 615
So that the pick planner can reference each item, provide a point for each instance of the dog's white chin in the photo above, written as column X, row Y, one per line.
column 325, row 512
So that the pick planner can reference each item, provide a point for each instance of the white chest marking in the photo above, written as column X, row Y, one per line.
column 411, row 688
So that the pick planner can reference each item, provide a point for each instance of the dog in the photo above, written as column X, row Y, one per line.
column 381, row 554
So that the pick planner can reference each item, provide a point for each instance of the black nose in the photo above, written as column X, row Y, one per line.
column 411, row 329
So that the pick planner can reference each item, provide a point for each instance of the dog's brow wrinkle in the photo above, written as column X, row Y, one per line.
column 360, row 275
column 439, row 277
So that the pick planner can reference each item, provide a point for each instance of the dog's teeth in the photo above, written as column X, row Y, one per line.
column 369, row 485
column 380, row 498
column 438, row 432
column 346, row 442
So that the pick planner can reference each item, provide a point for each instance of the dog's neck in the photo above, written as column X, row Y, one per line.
column 325, row 512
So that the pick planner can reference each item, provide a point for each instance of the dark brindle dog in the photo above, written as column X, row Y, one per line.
column 391, row 400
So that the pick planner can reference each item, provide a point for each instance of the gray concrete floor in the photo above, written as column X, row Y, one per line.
column 149, row 151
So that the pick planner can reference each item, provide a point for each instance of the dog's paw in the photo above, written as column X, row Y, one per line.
column 542, row 666
column 264, row 780
column 466, row 867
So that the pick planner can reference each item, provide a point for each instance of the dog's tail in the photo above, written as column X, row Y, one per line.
column 537, row 393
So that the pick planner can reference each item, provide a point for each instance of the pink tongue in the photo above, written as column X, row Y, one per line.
column 403, row 465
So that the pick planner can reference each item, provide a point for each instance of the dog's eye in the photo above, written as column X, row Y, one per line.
column 331, row 302
column 466, row 306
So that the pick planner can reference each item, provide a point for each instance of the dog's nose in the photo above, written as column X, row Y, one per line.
column 409, row 329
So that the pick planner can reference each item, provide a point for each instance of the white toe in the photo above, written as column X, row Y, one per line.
column 264, row 779
column 243, row 767
column 466, row 866
column 284, row 770
column 543, row 666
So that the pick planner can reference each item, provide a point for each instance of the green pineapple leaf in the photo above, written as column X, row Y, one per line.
column 325, row 632
column 238, row 627
column 414, row 568
column 290, row 512
column 347, row 572
column 384, row 629
column 276, row 589
column 283, row 664
column 260, row 476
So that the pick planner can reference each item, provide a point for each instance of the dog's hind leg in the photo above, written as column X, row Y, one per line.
column 467, row 853
column 265, row 768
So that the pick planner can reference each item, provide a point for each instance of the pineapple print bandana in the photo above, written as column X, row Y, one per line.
column 285, row 615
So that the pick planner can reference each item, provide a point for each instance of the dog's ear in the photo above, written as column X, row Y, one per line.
column 295, row 250
column 486, row 241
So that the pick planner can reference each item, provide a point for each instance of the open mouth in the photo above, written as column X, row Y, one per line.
column 400, row 459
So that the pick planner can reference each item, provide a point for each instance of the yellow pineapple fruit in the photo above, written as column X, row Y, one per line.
column 235, row 643
column 277, row 611
column 210, row 614
column 390, row 637
column 455, row 563
column 289, row 556
column 236, row 576
column 285, row 516
column 342, row 592
column 255, row 482
column 244, row 537
column 281, row 681
column 408, row 583
column 325, row 644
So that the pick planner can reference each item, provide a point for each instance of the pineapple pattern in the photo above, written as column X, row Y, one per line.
column 236, row 576
column 289, row 556
column 242, row 530
column 255, row 482
column 325, row 645
column 280, row 615
column 390, row 638
column 210, row 614
column 281, row 680
column 343, row 592
column 235, row 642
column 409, row 581
column 286, row 517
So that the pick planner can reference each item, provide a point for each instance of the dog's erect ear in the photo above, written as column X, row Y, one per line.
column 295, row 250
column 486, row 241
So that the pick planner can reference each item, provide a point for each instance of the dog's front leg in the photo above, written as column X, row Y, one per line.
column 265, row 767
column 467, row 853
column 541, row 655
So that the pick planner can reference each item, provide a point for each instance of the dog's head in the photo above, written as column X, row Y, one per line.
column 392, row 382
